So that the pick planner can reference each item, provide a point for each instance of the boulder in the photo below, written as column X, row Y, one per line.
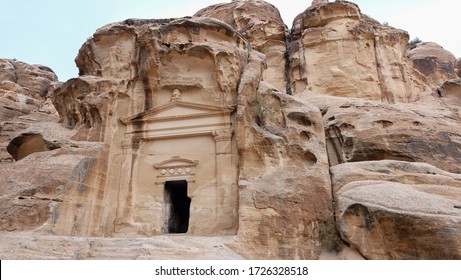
column 436, row 63
column 32, row 188
column 398, row 210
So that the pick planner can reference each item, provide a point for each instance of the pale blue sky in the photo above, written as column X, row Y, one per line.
column 50, row 32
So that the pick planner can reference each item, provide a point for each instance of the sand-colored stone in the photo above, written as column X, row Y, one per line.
column 361, row 130
column 284, row 193
column 337, row 51
column 398, row 210
column 194, row 129
column 31, row 80
column 436, row 63
column 31, row 246
column 24, row 99
column 167, row 122
column 450, row 92
column 180, row 139
column 32, row 188
column 318, row 2
column 260, row 23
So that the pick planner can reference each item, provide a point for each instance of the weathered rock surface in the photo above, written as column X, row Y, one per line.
column 337, row 51
column 32, row 81
column 284, row 183
column 31, row 189
column 26, row 246
column 458, row 67
column 24, row 99
column 318, row 2
column 450, row 91
column 261, row 25
column 360, row 130
column 398, row 210
column 436, row 63
column 232, row 132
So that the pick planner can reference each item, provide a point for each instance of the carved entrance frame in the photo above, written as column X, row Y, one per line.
column 216, row 123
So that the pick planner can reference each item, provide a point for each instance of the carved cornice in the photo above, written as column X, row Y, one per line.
column 176, row 161
column 206, row 111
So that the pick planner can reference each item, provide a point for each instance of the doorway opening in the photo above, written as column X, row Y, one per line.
column 177, row 206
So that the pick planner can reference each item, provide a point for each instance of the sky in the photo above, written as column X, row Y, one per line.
column 50, row 32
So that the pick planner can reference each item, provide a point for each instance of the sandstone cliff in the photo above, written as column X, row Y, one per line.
column 24, row 99
column 337, row 51
column 245, row 138
column 261, row 25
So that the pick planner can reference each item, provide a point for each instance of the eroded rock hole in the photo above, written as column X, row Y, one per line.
column 26, row 144
column 383, row 123
column 358, row 216
column 300, row 118
column 177, row 205
column 310, row 157
column 305, row 136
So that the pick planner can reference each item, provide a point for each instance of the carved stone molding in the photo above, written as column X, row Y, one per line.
column 176, row 168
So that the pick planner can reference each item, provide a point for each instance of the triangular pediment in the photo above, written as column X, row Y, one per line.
column 177, row 109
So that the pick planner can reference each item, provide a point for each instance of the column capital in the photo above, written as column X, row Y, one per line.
column 222, row 135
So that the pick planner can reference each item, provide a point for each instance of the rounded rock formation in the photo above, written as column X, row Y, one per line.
column 436, row 63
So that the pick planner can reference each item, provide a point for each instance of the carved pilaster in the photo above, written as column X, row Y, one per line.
column 131, row 143
column 223, row 139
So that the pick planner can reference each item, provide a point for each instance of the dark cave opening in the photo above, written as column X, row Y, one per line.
column 178, row 206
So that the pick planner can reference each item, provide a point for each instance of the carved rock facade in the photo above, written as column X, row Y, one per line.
column 163, row 102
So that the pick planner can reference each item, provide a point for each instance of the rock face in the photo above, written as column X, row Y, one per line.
column 450, row 91
column 359, row 130
column 337, row 51
column 33, row 81
column 28, row 127
column 436, row 63
column 319, row 2
column 261, row 25
column 458, row 67
column 284, row 183
column 245, row 139
column 24, row 99
column 398, row 210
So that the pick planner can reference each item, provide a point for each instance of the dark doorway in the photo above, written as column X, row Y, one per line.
column 178, row 206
